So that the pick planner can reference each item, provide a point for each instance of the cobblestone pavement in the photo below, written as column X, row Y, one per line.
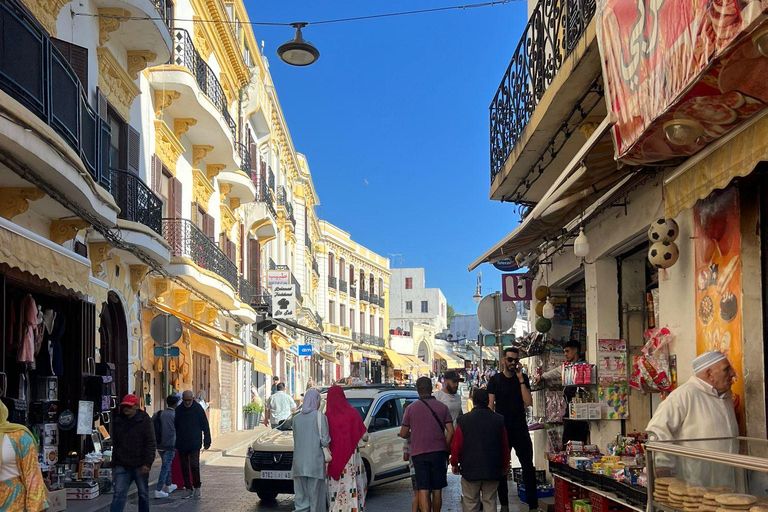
column 223, row 490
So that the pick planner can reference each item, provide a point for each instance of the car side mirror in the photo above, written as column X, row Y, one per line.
column 379, row 424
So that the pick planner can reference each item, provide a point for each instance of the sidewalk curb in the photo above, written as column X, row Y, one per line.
column 132, row 492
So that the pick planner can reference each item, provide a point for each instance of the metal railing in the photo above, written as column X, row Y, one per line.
column 319, row 321
column 374, row 299
column 136, row 201
column 188, row 241
column 263, row 193
column 367, row 339
column 308, row 242
column 281, row 196
column 247, row 291
column 364, row 295
column 316, row 268
column 295, row 281
column 289, row 212
column 270, row 178
column 353, row 292
column 245, row 158
column 273, row 265
column 381, row 302
column 185, row 54
column 35, row 73
column 342, row 286
column 165, row 9
column 553, row 29
column 332, row 283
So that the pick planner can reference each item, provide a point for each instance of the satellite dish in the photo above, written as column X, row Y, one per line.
column 486, row 313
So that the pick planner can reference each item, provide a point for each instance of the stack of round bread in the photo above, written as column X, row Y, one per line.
column 678, row 492
column 661, row 488
column 735, row 502
column 709, row 504
column 694, row 496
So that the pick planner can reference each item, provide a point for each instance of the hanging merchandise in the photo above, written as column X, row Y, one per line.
column 663, row 230
column 540, row 309
column 578, row 374
column 543, row 325
column 651, row 371
column 542, row 292
column 548, row 310
column 556, row 405
column 663, row 254
column 613, row 387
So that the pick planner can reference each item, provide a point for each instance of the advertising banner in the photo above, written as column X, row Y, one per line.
column 667, row 60
column 278, row 277
column 284, row 301
column 718, row 282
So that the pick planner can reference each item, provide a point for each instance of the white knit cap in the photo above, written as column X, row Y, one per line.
column 706, row 360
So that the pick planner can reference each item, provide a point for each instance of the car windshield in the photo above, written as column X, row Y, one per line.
column 361, row 405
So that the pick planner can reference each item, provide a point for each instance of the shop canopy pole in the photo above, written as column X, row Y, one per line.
column 499, row 332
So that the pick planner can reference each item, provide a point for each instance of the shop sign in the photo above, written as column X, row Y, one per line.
column 278, row 278
column 516, row 287
column 718, row 283
column 506, row 265
column 679, row 60
column 284, row 301
column 305, row 350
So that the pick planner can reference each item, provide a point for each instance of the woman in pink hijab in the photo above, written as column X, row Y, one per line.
column 346, row 473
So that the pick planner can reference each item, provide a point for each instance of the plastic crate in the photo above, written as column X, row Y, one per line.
column 634, row 494
column 543, row 491
column 603, row 504
column 517, row 476
column 556, row 468
column 566, row 493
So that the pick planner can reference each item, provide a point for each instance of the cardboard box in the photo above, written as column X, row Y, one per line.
column 582, row 506
column 57, row 500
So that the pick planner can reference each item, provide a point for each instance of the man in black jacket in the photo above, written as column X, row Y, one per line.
column 133, row 451
column 192, row 434
column 475, row 454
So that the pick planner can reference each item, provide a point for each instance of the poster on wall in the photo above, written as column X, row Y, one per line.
column 613, row 386
column 718, row 282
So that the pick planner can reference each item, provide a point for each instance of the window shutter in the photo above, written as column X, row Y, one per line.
column 132, row 149
column 176, row 195
column 254, row 264
column 254, row 157
column 77, row 56
column 102, row 105
column 232, row 251
column 242, row 250
column 157, row 175
column 208, row 226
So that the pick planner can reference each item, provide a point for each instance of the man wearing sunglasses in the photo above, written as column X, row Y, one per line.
column 509, row 394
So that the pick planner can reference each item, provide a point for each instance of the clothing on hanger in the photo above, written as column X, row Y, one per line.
column 29, row 324
column 48, row 318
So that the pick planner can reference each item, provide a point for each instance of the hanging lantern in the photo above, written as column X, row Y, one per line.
column 542, row 292
column 581, row 245
column 663, row 254
column 663, row 230
column 548, row 311
column 543, row 325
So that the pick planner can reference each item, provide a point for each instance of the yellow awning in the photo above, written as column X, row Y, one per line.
column 415, row 364
column 280, row 341
column 732, row 157
column 490, row 353
column 199, row 327
column 372, row 355
column 236, row 353
column 356, row 357
column 395, row 358
column 260, row 360
column 450, row 361
column 327, row 357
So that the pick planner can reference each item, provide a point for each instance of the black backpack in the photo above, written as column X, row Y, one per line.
column 158, row 424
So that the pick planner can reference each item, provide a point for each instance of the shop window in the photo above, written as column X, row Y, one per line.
column 409, row 306
column 424, row 306
column 408, row 283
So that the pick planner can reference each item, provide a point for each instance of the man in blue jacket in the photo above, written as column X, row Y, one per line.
column 192, row 434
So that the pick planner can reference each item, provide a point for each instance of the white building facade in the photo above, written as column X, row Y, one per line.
column 412, row 301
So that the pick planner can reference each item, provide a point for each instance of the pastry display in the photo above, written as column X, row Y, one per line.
column 706, row 310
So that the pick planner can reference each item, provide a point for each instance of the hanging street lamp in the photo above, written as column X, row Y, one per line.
column 298, row 52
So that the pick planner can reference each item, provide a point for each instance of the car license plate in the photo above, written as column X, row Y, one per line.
column 276, row 475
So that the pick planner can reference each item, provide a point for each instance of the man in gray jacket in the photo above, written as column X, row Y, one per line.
column 166, row 446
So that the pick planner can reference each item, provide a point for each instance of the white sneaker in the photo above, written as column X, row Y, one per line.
column 170, row 488
column 160, row 494
column 198, row 494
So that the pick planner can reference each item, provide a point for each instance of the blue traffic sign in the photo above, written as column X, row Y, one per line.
column 172, row 351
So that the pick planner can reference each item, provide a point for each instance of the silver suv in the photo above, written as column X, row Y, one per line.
column 270, row 457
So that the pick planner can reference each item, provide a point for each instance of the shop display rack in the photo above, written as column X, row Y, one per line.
column 517, row 476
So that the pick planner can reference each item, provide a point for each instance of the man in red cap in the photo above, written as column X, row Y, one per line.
column 133, row 451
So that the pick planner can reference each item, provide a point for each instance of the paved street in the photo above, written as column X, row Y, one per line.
column 223, row 490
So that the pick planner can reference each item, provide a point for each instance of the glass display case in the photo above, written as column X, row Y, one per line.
column 704, row 475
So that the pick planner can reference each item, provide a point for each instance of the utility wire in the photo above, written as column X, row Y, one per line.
column 318, row 22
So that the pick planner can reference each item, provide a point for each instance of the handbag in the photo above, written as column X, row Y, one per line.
column 326, row 451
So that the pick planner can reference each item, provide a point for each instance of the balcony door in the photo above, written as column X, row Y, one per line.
column 254, row 264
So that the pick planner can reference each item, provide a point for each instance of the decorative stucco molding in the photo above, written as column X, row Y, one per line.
column 64, row 230
column 116, row 84
column 138, row 60
column 181, row 125
column 98, row 252
column 163, row 100
column 109, row 21
column 138, row 273
column 201, row 189
column 213, row 170
column 167, row 146
column 199, row 151
column 46, row 12
column 15, row 200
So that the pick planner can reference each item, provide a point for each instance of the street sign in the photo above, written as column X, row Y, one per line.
column 494, row 315
column 165, row 330
column 160, row 351
column 305, row 350
column 284, row 301
column 489, row 340
column 506, row 265
column 278, row 277
column 516, row 287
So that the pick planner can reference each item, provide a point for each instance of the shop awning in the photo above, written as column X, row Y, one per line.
column 714, row 167
column 396, row 359
column 371, row 355
column 590, row 173
column 490, row 353
column 356, row 357
column 280, row 341
column 200, row 328
column 450, row 361
column 260, row 360
column 415, row 364
column 327, row 357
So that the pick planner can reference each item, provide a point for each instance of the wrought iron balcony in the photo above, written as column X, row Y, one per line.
column 374, row 299
column 316, row 268
column 353, row 292
column 270, row 178
column 263, row 193
column 188, row 241
column 289, row 212
column 364, row 295
column 165, row 9
column 136, row 201
column 273, row 265
column 185, row 54
column 35, row 73
column 381, row 302
column 245, row 158
column 308, row 242
column 262, row 301
column 281, row 196
column 367, row 339
column 553, row 29
column 319, row 321
column 295, row 281
column 332, row 282
column 247, row 291
column 342, row 286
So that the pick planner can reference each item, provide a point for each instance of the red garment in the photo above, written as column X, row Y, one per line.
column 458, row 443
column 346, row 429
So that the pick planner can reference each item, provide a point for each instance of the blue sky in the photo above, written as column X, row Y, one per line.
column 393, row 120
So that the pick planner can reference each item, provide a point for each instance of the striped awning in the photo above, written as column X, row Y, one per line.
column 450, row 361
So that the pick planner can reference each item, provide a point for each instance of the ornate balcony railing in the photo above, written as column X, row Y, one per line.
column 165, row 9
column 308, row 242
column 188, row 241
column 35, row 73
column 367, row 339
column 263, row 300
column 185, row 54
column 332, row 282
column 270, row 178
column 553, row 29
column 315, row 268
column 247, row 291
column 136, row 201
column 381, row 302
column 263, row 193
column 281, row 196
column 245, row 158
column 342, row 286
column 319, row 321
column 364, row 295
column 374, row 299
column 289, row 212
column 353, row 292
column 295, row 281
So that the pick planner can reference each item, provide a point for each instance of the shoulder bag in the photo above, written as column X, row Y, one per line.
column 434, row 415
column 326, row 451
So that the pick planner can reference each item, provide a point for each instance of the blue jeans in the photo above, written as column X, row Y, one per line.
column 164, row 479
column 123, row 478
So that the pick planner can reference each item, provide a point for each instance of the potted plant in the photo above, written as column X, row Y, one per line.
column 252, row 413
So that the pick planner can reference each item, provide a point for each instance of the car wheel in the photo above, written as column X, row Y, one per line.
column 266, row 496
column 367, row 475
